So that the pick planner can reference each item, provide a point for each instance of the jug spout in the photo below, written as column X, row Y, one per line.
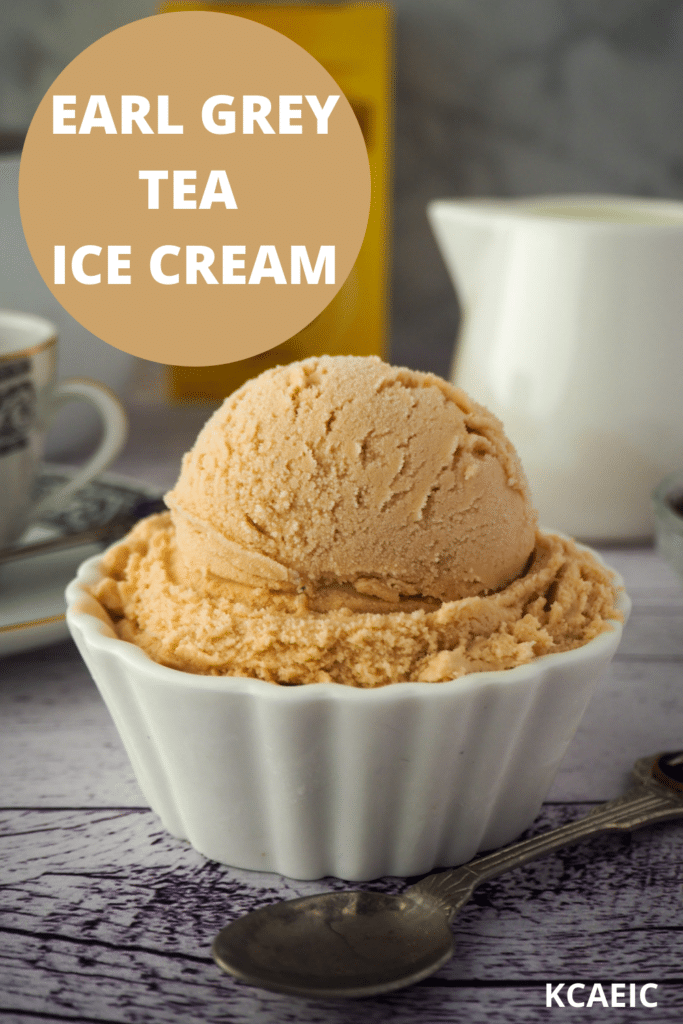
column 463, row 230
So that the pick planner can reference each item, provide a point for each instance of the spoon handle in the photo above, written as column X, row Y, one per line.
column 658, row 797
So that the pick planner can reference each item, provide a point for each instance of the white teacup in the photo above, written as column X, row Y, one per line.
column 29, row 399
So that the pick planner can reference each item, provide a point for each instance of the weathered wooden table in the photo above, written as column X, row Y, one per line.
column 106, row 918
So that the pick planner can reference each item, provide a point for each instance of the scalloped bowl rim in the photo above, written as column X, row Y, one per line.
column 96, row 633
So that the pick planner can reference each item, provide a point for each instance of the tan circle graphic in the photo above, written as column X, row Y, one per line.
column 194, row 188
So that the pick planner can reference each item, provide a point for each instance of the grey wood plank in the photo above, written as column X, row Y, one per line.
column 645, row 572
column 653, row 633
column 58, row 744
column 636, row 710
column 432, row 1002
column 106, row 918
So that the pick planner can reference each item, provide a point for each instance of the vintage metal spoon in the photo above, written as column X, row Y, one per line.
column 351, row 944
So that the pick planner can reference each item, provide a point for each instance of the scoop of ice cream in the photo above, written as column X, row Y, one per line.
column 346, row 472
column 563, row 600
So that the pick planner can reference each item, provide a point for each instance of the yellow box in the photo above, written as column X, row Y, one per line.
column 353, row 41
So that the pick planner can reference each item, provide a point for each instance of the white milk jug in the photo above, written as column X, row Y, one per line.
column 572, row 334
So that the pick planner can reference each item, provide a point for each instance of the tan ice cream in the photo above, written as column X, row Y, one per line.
column 341, row 519
column 343, row 470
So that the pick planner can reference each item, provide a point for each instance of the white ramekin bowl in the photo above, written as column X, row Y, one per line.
column 327, row 779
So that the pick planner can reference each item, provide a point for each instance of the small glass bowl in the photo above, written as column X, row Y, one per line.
column 667, row 500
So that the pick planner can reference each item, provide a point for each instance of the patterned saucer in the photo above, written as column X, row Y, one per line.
column 32, row 589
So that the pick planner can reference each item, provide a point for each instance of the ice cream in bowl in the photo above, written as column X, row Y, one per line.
column 347, row 648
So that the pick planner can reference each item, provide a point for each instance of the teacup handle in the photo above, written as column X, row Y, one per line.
column 114, row 422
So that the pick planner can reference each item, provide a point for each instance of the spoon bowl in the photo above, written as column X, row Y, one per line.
column 340, row 944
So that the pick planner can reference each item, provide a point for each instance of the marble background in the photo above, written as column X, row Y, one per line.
column 493, row 97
